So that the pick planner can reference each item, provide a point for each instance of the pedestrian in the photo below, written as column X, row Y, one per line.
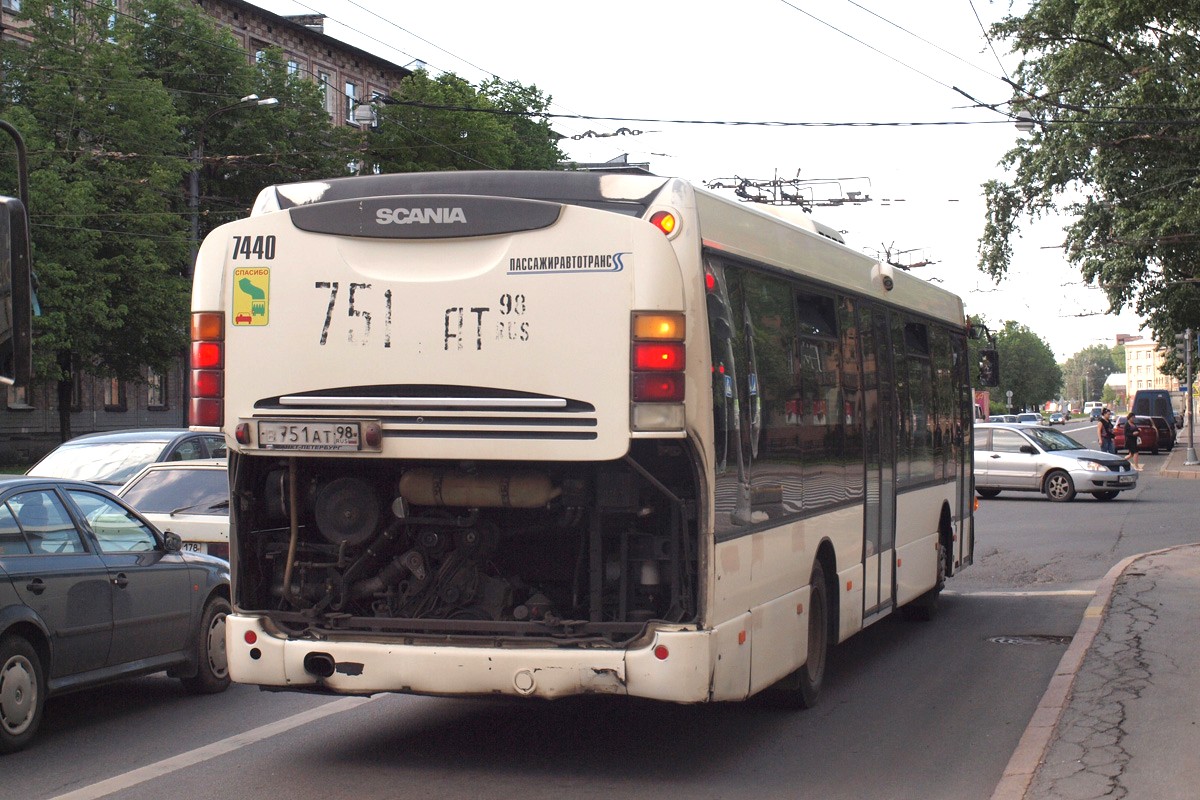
column 1130, row 429
column 1104, row 432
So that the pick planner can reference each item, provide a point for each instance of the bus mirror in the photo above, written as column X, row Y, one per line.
column 16, row 296
column 989, row 368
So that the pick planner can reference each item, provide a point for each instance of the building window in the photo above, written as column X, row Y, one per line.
column 18, row 398
column 325, row 84
column 156, row 390
column 293, row 67
column 351, row 101
column 11, row 5
column 114, row 395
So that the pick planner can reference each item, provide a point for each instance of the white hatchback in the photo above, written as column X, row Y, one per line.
column 190, row 498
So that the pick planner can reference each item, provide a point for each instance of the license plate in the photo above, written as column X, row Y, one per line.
column 1125, row 479
column 193, row 547
column 309, row 435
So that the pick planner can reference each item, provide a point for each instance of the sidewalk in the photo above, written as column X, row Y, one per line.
column 1121, row 717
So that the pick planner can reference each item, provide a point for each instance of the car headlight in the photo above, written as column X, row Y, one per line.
column 1094, row 466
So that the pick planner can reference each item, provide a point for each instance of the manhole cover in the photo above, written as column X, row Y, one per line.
column 1035, row 638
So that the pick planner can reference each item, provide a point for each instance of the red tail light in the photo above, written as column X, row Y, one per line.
column 653, row 356
column 207, row 380
column 658, row 357
column 658, row 387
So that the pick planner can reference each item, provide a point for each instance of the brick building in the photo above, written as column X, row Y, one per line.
column 29, row 424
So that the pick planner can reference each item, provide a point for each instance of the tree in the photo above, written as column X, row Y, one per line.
column 105, row 163
column 1027, row 367
column 444, row 123
column 1085, row 373
column 1111, row 84
column 245, row 150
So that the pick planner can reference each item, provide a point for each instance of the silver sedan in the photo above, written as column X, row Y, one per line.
column 1028, row 458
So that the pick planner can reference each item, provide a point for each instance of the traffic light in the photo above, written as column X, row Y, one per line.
column 989, row 368
column 1181, row 346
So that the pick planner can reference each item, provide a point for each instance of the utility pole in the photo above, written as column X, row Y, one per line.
column 1190, row 458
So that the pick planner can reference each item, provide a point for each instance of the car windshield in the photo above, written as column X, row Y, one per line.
column 180, row 491
column 1052, row 441
column 100, row 462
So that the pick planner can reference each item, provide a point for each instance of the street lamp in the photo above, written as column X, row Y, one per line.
column 249, row 101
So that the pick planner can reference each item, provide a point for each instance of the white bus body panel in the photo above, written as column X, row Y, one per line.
column 461, row 314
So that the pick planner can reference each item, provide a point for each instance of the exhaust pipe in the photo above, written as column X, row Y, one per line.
column 319, row 664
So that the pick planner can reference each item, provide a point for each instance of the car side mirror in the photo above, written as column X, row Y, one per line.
column 172, row 541
column 1028, row 448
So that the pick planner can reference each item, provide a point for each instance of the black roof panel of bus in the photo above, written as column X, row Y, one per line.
column 574, row 188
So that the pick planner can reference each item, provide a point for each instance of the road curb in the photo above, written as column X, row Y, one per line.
column 1031, row 749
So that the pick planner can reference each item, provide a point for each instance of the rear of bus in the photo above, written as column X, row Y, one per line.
column 458, row 407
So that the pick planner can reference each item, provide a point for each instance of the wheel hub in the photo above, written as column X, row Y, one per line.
column 18, row 695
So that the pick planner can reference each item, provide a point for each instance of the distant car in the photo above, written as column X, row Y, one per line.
column 1147, row 435
column 1029, row 458
column 1057, row 418
column 1095, row 414
column 190, row 498
column 1166, row 432
column 112, row 458
column 1002, row 418
column 1028, row 418
column 91, row 592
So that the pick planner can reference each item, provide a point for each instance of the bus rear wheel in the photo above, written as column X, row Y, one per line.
column 802, row 688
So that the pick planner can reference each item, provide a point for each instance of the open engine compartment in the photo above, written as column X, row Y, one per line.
column 569, row 552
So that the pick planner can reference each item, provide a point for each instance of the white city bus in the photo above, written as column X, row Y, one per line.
column 555, row 433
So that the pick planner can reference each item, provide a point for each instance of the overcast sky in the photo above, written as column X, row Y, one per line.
column 653, row 67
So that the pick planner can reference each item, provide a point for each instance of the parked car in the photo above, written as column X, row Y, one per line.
column 1033, row 458
column 1166, row 432
column 1002, row 418
column 91, row 592
column 1155, row 403
column 1029, row 418
column 190, row 498
column 1147, row 435
column 1057, row 418
column 112, row 458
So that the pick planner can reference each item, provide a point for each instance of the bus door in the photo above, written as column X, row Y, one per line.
column 879, row 519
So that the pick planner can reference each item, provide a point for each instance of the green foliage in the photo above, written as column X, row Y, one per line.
column 105, row 164
column 1027, row 367
column 1113, row 81
column 1085, row 372
column 444, row 123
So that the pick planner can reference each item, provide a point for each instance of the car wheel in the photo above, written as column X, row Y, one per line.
column 1106, row 495
column 987, row 492
column 1058, row 487
column 212, row 665
column 802, row 688
column 22, row 693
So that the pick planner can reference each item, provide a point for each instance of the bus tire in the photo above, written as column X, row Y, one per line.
column 22, row 693
column 802, row 688
column 925, row 607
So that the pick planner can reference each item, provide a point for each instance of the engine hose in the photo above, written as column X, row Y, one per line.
column 370, row 554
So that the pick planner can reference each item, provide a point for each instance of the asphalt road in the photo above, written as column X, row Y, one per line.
column 913, row 710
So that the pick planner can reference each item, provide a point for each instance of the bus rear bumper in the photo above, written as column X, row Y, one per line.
column 684, row 675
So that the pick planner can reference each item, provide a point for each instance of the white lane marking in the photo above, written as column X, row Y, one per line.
column 200, row 754
column 1025, row 593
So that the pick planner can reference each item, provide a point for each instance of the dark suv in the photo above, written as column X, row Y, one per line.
column 91, row 592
